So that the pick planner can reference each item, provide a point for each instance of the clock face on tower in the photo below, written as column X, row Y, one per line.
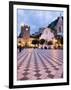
column 26, row 29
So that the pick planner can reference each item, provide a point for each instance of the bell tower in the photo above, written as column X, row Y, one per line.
column 25, row 30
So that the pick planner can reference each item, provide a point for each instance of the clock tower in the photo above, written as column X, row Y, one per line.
column 26, row 31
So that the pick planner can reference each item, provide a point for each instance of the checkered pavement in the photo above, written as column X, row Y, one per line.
column 37, row 64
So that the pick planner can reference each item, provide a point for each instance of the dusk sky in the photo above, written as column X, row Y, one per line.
column 36, row 18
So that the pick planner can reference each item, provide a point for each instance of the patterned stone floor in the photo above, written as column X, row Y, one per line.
column 37, row 64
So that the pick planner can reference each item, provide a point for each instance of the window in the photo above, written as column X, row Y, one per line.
column 59, row 29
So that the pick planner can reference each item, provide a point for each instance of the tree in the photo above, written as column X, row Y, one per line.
column 42, row 41
column 50, row 42
column 35, row 42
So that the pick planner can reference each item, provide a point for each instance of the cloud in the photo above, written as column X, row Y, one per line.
column 36, row 18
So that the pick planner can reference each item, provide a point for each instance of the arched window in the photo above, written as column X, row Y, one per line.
column 59, row 29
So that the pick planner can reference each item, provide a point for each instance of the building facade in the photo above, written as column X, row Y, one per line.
column 59, row 26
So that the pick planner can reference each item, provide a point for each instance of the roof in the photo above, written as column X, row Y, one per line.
column 54, row 23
